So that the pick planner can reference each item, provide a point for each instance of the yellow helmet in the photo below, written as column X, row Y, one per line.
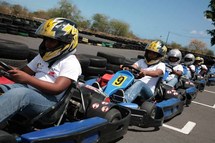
column 156, row 47
column 199, row 60
column 61, row 29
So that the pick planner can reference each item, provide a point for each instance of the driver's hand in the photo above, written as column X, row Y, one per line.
column 123, row 68
column 19, row 76
column 142, row 73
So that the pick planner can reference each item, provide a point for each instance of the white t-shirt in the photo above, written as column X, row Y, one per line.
column 178, row 67
column 68, row 67
column 201, row 67
column 192, row 67
column 150, row 81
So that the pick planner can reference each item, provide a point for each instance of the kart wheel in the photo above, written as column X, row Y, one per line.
column 113, row 115
column 150, row 108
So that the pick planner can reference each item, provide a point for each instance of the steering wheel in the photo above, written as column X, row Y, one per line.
column 5, row 66
column 4, row 69
column 133, row 70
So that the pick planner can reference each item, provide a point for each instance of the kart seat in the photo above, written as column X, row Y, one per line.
column 55, row 113
column 49, row 117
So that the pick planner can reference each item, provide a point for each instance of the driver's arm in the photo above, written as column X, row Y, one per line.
column 27, row 70
column 177, row 72
column 154, row 73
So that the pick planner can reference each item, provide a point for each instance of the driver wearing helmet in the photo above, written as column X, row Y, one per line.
column 201, row 69
column 43, row 81
column 151, row 69
column 173, row 67
column 189, row 68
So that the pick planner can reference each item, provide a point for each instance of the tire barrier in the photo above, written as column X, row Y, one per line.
column 13, row 50
column 92, row 65
column 18, row 26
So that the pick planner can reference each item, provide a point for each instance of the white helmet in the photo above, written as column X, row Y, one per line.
column 189, row 59
column 174, row 57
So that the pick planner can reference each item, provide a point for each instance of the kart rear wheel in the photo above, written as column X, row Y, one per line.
column 113, row 115
column 150, row 108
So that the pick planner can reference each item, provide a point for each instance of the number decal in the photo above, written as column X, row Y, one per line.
column 119, row 81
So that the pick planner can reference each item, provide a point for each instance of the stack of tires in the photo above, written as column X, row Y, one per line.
column 14, row 53
column 18, row 26
column 114, row 61
column 92, row 66
column 5, row 20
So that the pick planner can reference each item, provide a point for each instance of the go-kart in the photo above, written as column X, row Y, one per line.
column 148, row 113
column 80, row 116
column 200, row 82
column 199, row 79
column 211, row 76
column 189, row 86
column 175, row 97
column 142, row 115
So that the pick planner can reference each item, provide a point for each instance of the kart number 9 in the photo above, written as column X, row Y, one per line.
column 119, row 81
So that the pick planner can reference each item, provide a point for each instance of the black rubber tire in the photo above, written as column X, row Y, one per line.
column 112, row 58
column 14, row 63
column 95, row 71
column 13, row 50
column 140, row 56
column 32, row 54
column 113, row 67
column 6, row 137
column 113, row 115
column 150, row 108
column 96, row 61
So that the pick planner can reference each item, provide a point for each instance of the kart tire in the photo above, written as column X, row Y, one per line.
column 96, row 61
column 14, row 63
column 6, row 137
column 112, row 58
column 13, row 50
column 113, row 67
column 150, row 108
column 113, row 115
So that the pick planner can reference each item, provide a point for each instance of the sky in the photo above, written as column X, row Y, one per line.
column 177, row 21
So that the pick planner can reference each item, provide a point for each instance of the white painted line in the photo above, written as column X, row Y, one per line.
column 204, row 104
column 210, row 91
column 185, row 130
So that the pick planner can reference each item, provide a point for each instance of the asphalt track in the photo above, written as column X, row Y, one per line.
column 196, row 124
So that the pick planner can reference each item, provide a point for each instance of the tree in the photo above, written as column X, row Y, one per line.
column 175, row 45
column 18, row 10
column 41, row 14
column 210, row 14
column 197, row 46
column 66, row 10
column 5, row 7
column 100, row 23
column 118, row 28
column 84, row 24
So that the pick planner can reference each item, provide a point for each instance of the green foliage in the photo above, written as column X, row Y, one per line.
column 119, row 28
column 100, row 23
column 210, row 14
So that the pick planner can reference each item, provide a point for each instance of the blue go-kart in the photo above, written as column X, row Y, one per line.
column 189, row 85
column 150, row 113
column 80, row 116
column 211, row 76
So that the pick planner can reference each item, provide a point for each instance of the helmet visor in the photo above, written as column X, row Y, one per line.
column 173, row 59
column 187, row 60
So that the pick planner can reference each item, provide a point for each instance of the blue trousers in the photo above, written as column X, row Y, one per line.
column 139, row 88
column 20, row 98
column 172, row 82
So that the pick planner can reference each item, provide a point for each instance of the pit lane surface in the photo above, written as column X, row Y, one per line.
column 196, row 124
